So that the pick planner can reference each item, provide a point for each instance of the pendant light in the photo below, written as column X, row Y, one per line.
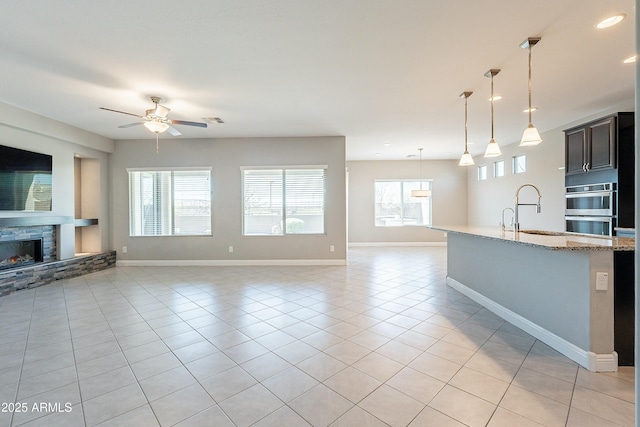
column 466, row 159
column 531, row 136
column 493, row 149
column 420, row 192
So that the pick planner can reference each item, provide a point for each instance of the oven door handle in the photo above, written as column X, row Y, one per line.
column 589, row 194
column 589, row 218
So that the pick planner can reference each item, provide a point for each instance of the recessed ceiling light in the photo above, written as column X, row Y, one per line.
column 496, row 97
column 610, row 21
column 526, row 110
column 446, row 153
column 386, row 144
column 378, row 154
column 630, row 60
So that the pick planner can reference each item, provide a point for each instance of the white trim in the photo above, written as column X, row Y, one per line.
column 605, row 362
column 363, row 244
column 169, row 169
column 284, row 167
column 429, row 180
column 227, row 263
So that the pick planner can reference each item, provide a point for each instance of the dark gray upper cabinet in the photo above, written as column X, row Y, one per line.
column 591, row 147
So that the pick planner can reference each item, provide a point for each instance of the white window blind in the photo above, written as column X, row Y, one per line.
column 169, row 202
column 284, row 201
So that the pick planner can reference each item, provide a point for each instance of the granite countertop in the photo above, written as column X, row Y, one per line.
column 552, row 240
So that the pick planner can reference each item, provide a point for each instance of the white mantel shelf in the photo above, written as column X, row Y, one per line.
column 31, row 221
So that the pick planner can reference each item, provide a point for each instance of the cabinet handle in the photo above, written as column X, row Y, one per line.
column 584, row 167
column 588, row 167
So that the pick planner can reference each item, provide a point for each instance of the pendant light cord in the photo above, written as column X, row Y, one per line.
column 420, row 149
column 466, row 127
column 530, row 112
column 492, row 100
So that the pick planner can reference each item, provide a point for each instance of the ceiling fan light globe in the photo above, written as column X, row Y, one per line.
column 156, row 127
column 531, row 136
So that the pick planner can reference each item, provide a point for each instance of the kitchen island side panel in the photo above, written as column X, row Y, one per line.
column 550, row 288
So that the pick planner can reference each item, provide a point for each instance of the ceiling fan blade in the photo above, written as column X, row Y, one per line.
column 121, row 112
column 131, row 125
column 173, row 131
column 182, row 122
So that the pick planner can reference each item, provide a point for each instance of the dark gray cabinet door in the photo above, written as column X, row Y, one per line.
column 602, row 144
column 575, row 144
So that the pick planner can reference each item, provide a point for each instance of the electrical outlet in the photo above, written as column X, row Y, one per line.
column 230, row 248
column 332, row 248
column 602, row 281
column 124, row 249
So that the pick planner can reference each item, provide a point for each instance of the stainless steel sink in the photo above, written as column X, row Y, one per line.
column 545, row 233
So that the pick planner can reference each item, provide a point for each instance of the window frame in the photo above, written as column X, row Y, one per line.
column 514, row 164
column 167, row 185
column 402, row 218
column 496, row 167
column 284, row 224
column 482, row 176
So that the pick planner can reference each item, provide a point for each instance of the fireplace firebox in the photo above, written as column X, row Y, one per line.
column 18, row 253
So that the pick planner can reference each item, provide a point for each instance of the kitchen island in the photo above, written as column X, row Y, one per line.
column 556, row 286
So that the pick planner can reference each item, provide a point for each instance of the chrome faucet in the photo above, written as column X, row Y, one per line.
column 502, row 226
column 516, row 225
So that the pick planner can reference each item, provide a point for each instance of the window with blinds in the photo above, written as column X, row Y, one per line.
column 173, row 202
column 284, row 201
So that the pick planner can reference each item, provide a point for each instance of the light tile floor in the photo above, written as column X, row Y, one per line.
column 380, row 342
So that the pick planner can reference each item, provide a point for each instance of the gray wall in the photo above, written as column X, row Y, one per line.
column 226, row 157
column 449, row 199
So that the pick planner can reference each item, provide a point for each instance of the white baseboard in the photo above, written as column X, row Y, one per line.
column 606, row 362
column 364, row 244
column 227, row 262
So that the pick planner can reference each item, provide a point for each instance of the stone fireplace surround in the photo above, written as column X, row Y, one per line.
column 50, row 269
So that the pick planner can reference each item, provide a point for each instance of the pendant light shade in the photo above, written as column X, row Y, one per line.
column 420, row 192
column 466, row 159
column 493, row 149
column 531, row 136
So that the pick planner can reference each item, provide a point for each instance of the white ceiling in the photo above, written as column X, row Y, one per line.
column 377, row 71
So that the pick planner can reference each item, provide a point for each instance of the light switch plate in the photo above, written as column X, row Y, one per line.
column 602, row 281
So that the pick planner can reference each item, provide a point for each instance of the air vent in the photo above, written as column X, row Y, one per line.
column 213, row 120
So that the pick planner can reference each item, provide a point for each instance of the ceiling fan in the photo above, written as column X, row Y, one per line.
column 155, row 119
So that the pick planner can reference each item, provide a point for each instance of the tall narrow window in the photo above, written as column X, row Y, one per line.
column 175, row 202
column 482, row 172
column 284, row 201
column 498, row 168
column 519, row 164
column 394, row 205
